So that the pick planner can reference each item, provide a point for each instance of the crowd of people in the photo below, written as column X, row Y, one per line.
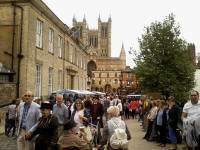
column 160, row 119
column 66, row 123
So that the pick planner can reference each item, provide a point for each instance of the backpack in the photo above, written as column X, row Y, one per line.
column 119, row 137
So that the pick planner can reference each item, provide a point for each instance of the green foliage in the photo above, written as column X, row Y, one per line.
column 163, row 63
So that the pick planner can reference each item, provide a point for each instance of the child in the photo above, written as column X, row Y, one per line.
column 7, row 124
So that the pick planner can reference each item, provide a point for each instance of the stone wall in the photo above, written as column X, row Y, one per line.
column 7, row 92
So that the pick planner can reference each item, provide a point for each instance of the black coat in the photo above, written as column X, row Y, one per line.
column 100, row 112
column 48, row 135
column 173, row 116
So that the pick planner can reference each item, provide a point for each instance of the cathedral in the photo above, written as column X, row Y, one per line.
column 104, row 71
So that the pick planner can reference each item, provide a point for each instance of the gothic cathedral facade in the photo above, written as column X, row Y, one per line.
column 104, row 71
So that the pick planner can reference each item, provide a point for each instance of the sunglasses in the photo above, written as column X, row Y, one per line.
column 27, row 95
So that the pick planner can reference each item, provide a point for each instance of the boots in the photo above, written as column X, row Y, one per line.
column 173, row 147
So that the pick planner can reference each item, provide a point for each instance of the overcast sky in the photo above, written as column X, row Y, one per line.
column 129, row 17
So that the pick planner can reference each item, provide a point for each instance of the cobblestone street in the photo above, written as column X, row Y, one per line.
column 136, row 143
column 7, row 143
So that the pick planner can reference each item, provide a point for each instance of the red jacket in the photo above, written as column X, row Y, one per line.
column 133, row 105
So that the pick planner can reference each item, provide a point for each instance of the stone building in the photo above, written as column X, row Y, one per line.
column 104, row 71
column 40, row 49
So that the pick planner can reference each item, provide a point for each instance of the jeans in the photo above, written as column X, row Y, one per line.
column 172, row 135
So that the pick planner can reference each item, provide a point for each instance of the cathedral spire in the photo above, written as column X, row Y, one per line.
column 74, row 18
column 109, row 19
column 84, row 20
column 99, row 18
column 122, row 53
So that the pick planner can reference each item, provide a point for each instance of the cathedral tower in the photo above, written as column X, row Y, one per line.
column 98, row 40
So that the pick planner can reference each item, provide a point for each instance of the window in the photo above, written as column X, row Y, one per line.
column 99, row 82
column 59, row 79
column 38, row 81
column 71, row 53
column 81, row 61
column 77, row 56
column 115, row 74
column 99, row 75
column 107, row 75
column 93, row 81
column 128, row 75
column 39, row 34
column 60, row 46
column 50, row 40
column 116, row 81
column 4, row 78
column 50, row 82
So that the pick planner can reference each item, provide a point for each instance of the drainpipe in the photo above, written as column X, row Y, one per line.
column 13, row 36
column 20, row 56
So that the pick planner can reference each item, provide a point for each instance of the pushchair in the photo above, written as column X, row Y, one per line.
column 95, row 131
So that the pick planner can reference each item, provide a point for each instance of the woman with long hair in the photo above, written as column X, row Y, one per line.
column 80, row 115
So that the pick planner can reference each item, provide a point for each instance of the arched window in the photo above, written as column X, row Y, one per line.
column 115, row 74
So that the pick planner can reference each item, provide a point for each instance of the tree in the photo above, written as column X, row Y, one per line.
column 163, row 63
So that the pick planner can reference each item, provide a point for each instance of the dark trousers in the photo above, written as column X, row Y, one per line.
column 162, row 131
column 133, row 113
column 11, row 125
column 149, row 129
column 127, row 113
column 195, row 148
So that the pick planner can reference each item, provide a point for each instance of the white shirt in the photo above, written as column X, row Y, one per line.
column 120, row 106
column 111, row 103
column 77, row 119
column 192, row 110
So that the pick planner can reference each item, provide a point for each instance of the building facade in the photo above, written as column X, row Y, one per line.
column 104, row 71
column 40, row 49
column 129, row 82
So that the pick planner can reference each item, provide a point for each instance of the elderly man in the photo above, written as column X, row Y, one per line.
column 61, row 112
column 29, row 114
column 190, row 117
